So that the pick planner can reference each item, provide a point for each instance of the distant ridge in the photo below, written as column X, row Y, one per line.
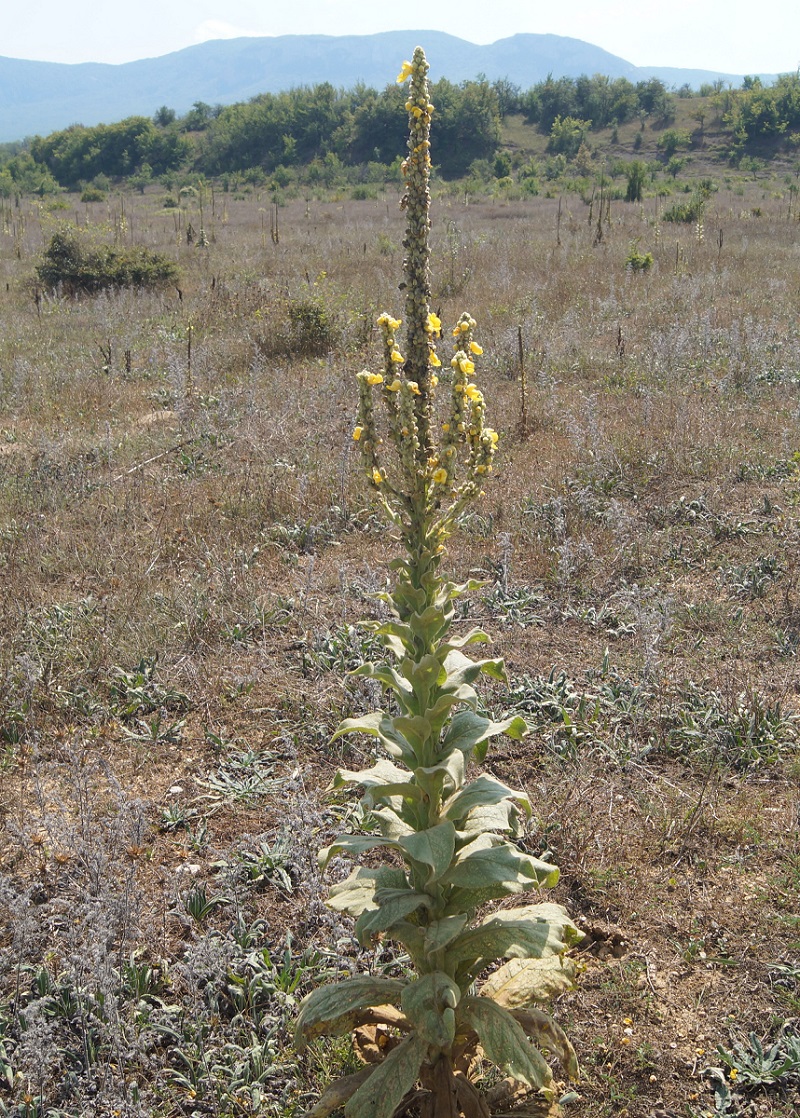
column 37, row 98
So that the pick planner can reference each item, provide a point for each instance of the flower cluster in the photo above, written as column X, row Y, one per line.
column 441, row 458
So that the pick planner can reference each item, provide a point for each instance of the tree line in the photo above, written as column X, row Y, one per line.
column 322, row 129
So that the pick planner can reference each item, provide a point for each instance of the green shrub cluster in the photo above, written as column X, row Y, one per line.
column 76, row 270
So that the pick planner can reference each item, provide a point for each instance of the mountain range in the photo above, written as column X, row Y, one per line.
column 37, row 98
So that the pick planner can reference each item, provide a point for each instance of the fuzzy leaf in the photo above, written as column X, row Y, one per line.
column 470, row 731
column 452, row 770
column 504, row 1041
column 382, row 772
column 385, row 1089
column 565, row 933
column 386, row 675
column 392, row 906
column 483, row 792
column 502, row 817
column 490, row 859
column 367, row 724
column 425, row 1003
column 331, row 1010
column 415, row 729
column 521, row 981
column 356, row 894
column 441, row 932
column 434, row 847
column 546, row 1034
column 351, row 845
column 474, row 636
column 499, row 937
column 460, row 669
column 391, row 823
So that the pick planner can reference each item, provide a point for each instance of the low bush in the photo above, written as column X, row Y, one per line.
column 76, row 270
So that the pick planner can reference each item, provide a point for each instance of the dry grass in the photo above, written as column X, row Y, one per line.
column 640, row 548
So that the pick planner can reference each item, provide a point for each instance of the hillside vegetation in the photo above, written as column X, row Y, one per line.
column 558, row 131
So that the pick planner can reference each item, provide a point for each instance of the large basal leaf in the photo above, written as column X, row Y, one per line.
column 357, row 893
column 522, row 982
column 332, row 1010
column 428, row 1003
column 385, row 1089
column 483, row 792
column 391, row 823
column 434, row 848
column 504, row 1041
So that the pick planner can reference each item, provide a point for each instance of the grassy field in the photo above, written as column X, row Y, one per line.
column 186, row 547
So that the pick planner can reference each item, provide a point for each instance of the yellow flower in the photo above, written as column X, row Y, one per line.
column 440, row 477
column 413, row 387
column 492, row 435
column 397, row 357
column 445, row 427
column 405, row 72
column 374, row 378
column 733, row 1073
column 434, row 360
column 433, row 324
column 357, row 433
column 464, row 327
column 476, row 349
column 416, row 111
column 377, row 476
column 434, row 381
column 474, row 394
column 394, row 386
column 394, row 323
column 467, row 367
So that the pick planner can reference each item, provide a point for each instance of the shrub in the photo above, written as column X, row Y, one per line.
column 638, row 261
column 92, row 194
column 76, row 270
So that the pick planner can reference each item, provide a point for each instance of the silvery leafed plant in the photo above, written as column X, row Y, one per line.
column 448, row 832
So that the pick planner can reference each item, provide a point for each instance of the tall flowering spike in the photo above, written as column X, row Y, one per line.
column 416, row 202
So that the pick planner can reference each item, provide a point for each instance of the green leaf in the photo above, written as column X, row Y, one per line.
column 426, row 1002
column 441, row 932
column 382, row 772
column 521, row 981
column 386, row 675
column 546, row 1034
column 496, row 817
column 351, row 845
column 460, row 669
column 434, row 847
column 392, row 906
column 565, row 933
column 357, row 893
column 331, row 1010
column 504, row 1041
column 391, row 823
column 474, row 636
column 367, row 724
column 490, row 859
column 501, row 936
column 392, row 1079
column 483, row 792
column 415, row 729
column 468, row 731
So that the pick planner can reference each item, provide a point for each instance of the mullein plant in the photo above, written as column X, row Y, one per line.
column 448, row 834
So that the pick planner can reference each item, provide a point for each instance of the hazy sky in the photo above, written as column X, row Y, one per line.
column 736, row 36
